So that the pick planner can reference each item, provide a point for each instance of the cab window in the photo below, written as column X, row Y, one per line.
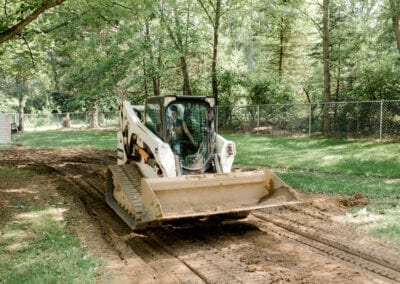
column 153, row 119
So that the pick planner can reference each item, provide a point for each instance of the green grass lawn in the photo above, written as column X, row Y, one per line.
column 327, row 166
column 319, row 165
column 101, row 139
column 35, row 246
column 322, row 155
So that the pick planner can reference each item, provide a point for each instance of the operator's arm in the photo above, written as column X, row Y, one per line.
column 188, row 134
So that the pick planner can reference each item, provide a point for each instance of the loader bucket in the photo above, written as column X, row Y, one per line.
column 212, row 194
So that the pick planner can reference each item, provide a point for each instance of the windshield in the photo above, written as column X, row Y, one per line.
column 188, row 133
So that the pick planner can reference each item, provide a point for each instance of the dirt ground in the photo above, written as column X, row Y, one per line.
column 304, row 243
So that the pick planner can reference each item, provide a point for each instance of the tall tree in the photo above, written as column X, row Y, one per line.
column 286, row 12
column 395, row 9
column 327, row 75
column 213, row 12
column 178, row 31
column 100, row 51
column 154, row 60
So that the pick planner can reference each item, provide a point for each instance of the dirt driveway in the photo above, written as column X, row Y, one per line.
column 307, row 243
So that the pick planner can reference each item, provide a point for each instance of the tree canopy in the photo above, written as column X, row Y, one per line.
column 72, row 55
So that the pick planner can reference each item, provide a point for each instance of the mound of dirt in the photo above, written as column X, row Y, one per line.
column 357, row 199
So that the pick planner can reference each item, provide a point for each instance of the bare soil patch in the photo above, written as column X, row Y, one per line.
column 292, row 247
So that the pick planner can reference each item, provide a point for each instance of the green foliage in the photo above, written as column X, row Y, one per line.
column 267, row 91
column 62, row 100
column 232, row 86
column 268, row 52
column 377, row 83
column 263, row 92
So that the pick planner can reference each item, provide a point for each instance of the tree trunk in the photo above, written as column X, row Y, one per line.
column 95, row 116
column 21, row 92
column 146, row 92
column 157, row 77
column 214, row 74
column 396, row 21
column 66, row 123
column 21, row 107
column 280, row 68
column 186, row 84
column 154, row 74
column 327, row 83
column 56, row 77
column 339, row 74
column 250, row 54
column 337, row 90
column 182, row 47
column 156, row 85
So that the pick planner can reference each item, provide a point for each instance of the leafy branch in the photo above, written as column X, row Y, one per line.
column 17, row 28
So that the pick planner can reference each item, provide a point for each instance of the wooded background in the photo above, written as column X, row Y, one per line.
column 85, row 55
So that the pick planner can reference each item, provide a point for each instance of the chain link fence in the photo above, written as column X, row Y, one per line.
column 365, row 119
column 38, row 122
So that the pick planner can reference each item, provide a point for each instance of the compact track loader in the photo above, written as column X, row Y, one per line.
column 172, row 164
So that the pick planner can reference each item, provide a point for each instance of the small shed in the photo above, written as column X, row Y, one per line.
column 5, row 129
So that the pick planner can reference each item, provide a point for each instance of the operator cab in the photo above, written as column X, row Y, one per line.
column 187, row 124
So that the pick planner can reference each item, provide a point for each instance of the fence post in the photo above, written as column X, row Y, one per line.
column 381, row 122
column 309, row 120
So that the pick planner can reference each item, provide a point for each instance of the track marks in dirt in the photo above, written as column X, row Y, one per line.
column 214, row 261
column 78, row 175
column 170, row 268
column 321, row 226
column 250, row 251
column 338, row 242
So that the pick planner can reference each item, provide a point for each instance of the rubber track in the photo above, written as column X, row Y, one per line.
column 128, row 178
column 135, row 196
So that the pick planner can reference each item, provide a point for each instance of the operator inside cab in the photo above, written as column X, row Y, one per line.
column 190, row 134
column 177, row 128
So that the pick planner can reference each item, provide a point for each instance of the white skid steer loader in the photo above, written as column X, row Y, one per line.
column 172, row 165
